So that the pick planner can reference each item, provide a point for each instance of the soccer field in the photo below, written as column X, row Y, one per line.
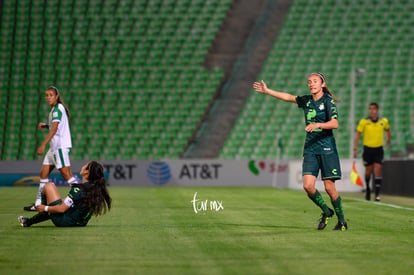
column 242, row 231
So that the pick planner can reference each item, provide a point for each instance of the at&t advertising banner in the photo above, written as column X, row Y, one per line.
column 183, row 172
column 211, row 172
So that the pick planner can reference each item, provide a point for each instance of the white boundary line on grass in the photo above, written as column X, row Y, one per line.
column 387, row 204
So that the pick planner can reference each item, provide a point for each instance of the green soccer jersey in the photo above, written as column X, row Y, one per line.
column 78, row 214
column 320, row 141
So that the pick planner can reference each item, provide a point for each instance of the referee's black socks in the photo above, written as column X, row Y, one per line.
column 368, row 189
column 378, row 183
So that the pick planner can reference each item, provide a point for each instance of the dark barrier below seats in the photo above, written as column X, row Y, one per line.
column 397, row 179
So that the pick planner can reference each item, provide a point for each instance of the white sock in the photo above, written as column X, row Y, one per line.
column 40, row 191
column 72, row 180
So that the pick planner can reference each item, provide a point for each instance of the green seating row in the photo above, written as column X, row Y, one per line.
column 373, row 35
column 134, row 82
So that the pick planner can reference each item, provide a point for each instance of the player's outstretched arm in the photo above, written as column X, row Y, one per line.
column 261, row 87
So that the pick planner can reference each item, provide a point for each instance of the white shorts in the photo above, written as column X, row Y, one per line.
column 59, row 158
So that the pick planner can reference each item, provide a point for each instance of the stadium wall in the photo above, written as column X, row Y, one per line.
column 182, row 172
column 396, row 177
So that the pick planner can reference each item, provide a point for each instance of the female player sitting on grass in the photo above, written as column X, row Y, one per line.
column 89, row 198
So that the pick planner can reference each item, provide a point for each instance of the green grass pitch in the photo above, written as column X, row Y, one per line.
column 259, row 231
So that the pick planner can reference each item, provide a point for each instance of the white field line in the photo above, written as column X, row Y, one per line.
column 385, row 204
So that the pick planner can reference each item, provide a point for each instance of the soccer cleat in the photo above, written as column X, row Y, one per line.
column 377, row 198
column 341, row 226
column 23, row 221
column 30, row 208
column 325, row 219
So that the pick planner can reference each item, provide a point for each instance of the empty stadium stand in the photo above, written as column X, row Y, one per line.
column 332, row 37
column 130, row 72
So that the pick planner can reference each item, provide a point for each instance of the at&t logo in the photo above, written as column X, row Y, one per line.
column 159, row 172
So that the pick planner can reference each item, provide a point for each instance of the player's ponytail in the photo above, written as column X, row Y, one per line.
column 327, row 91
column 98, row 198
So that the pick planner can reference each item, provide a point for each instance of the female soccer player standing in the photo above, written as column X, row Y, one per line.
column 320, row 152
column 89, row 198
column 60, row 142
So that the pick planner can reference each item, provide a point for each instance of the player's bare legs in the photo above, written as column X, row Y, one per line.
column 331, row 189
column 44, row 178
column 66, row 173
column 51, row 192
column 46, row 170
column 44, row 174
column 309, row 182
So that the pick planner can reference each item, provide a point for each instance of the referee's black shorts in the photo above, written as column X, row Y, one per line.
column 372, row 155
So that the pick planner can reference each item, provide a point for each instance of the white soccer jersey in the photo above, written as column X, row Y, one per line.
column 62, row 138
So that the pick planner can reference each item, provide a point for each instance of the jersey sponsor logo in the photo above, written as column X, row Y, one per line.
column 55, row 114
column 327, row 149
column 311, row 114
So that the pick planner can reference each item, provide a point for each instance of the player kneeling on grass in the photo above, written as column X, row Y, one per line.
column 88, row 198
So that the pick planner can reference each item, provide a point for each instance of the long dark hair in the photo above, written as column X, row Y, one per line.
column 97, row 195
column 60, row 100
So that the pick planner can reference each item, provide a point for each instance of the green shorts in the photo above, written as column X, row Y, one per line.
column 328, row 164
column 57, row 218
column 61, row 219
